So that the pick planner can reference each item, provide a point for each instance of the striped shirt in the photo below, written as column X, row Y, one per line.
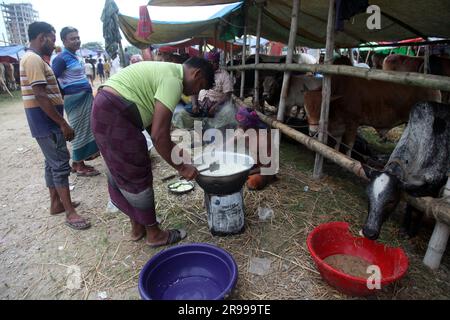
column 70, row 72
column 35, row 71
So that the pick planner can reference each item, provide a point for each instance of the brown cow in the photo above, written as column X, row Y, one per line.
column 438, row 66
column 397, row 62
column 357, row 102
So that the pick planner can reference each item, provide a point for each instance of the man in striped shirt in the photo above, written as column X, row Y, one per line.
column 44, row 110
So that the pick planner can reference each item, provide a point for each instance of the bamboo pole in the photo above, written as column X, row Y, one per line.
column 232, row 58
column 258, row 48
column 289, row 59
column 314, row 145
column 326, row 90
column 405, row 78
column 426, row 62
column 244, row 52
column 441, row 233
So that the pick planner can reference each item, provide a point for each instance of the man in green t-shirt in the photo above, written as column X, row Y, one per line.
column 144, row 96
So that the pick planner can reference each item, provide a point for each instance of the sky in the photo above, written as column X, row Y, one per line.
column 85, row 14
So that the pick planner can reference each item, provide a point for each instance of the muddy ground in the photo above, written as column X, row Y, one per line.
column 38, row 253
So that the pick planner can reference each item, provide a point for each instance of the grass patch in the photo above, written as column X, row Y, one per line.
column 376, row 142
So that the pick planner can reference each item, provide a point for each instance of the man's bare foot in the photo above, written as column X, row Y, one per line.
column 75, row 221
column 165, row 238
column 59, row 208
column 137, row 231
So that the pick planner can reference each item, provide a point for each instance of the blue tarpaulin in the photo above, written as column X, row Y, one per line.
column 11, row 53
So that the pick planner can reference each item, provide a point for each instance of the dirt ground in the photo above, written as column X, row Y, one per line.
column 38, row 253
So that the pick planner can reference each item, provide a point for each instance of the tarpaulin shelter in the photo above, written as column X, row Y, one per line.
column 400, row 19
column 225, row 25
column 11, row 54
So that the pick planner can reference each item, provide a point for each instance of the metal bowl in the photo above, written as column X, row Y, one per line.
column 224, row 185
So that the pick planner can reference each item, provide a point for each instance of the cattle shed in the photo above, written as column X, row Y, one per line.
column 313, row 24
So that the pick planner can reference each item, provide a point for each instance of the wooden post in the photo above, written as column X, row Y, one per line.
column 200, row 48
column 326, row 91
column 121, row 55
column 368, row 56
column 426, row 62
column 232, row 57
column 244, row 51
column 439, row 239
column 289, row 59
column 258, row 48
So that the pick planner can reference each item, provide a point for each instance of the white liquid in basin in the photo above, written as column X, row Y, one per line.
column 227, row 170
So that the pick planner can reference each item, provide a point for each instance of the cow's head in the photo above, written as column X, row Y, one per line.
column 313, row 102
column 272, row 88
column 313, row 108
column 384, row 196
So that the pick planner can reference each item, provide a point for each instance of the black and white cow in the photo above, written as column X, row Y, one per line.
column 419, row 166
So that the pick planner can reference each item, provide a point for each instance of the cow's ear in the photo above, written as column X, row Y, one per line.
column 371, row 173
column 335, row 98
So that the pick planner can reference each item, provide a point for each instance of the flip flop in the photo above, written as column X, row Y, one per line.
column 175, row 236
column 78, row 225
column 75, row 204
column 88, row 173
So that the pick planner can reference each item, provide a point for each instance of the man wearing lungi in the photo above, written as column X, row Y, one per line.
column 78, row 98
column 44, row 110
column 144, row 96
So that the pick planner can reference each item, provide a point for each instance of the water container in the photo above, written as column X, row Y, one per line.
column 226, row 214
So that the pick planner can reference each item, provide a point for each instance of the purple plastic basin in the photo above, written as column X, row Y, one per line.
column 189, row 272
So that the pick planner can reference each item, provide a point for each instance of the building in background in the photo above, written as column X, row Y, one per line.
column 17, row 17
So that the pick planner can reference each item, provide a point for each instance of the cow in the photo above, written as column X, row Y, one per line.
column 249, row 88
column 302, row 58
column 356, row 102
column 3, row 83
column 438, row 66
column 397, row 62
column 377, row 60
column 9, row 76
column 418, row 166
column 298, row 85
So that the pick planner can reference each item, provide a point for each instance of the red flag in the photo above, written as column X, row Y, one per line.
column 145, row 28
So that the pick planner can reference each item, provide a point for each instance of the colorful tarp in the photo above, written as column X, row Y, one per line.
column 400, row 19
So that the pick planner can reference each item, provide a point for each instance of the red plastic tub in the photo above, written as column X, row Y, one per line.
column 335, row 238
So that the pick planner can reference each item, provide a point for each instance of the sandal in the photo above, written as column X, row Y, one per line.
column 79, row 225
column 88, row 173
column 175, row 236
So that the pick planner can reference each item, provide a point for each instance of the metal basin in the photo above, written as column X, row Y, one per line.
column 227, row 183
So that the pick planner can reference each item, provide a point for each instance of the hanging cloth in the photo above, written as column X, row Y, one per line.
column 145, row 27
column 346, row 9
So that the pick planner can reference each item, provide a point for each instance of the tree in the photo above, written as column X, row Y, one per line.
column 94, row 46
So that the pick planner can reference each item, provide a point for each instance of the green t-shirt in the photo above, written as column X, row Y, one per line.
column 145, row 82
